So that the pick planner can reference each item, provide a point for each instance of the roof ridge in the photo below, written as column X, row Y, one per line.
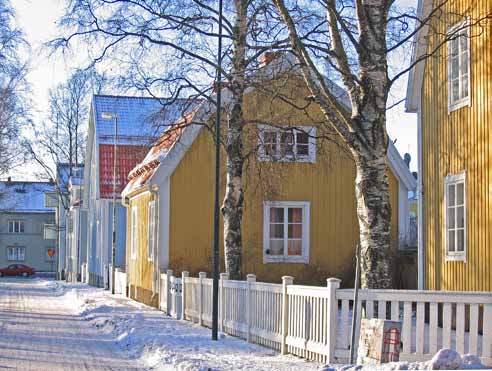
column 137, row 97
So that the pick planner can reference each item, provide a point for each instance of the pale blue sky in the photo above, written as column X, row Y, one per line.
column 38, row 20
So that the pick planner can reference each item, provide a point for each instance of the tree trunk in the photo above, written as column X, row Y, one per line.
column 374, row 214
column 232, row 208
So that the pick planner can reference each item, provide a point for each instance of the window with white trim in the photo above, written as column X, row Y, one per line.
column 455, row 216
column 459, row 66
column 151, row 230
column 49, row 232
column 134, row 232
column 16, row 253
column 290, row 144
column 286, row 231
column 16, row 226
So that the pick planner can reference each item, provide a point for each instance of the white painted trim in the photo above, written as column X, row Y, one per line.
column 306, row 216
column 164, row 211
column 134, row 232
column 309, row 129
column 400, row 168
column 151, row 221
column 466, row 101
column 455, row 255
column 420, row 208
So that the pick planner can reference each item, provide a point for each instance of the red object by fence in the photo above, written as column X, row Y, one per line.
column 391, row 345
column 127, row 157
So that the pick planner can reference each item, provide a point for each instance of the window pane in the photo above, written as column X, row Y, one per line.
column 302, row 138
column 276, row 231
column 295, row 231
column 276, row 247
column 294, row 247
column 451, row 196
column 464, row 63
column 270, row 149
column 453, row 47
column 276, row 214
column 269, row 136
column 270, row 142
column 11, row 227
column 302, row 150
column 451, row 241
column 455, row 90
column 464, row 86
column 287, row 144
column 460, row 217
column 451, row 218
column 454, row 68
column 463, row 40
column 461, row 240
column 460, row 194
column 295, row 215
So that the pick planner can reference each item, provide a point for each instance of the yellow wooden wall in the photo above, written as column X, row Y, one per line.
column 328, row 184
column 455, row 142
column 139, row 270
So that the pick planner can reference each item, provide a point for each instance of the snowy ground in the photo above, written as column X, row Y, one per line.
column 48, row 325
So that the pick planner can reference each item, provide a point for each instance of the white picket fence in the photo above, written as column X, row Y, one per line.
column 314, row 322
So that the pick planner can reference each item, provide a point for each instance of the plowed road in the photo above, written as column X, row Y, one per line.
column 40, row 330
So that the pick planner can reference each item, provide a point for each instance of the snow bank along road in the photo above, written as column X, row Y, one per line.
column 41, row 330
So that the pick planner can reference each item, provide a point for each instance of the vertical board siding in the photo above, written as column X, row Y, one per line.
column 455, row 142
column 328, row 184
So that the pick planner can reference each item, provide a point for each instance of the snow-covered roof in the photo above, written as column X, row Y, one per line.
column 24, row 197
column 140, row 119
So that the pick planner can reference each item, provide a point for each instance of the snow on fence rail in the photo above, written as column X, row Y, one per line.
column 314, row 322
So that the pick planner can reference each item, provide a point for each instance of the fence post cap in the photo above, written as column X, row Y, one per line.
column 287, row 279
column 251, row 277
column 185, row 273
column 169, row 272
column 224, row 276
column 202, row 275
column 333, row 280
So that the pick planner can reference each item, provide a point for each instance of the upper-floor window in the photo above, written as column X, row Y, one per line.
column 16, row 226
column 134, row 232
column 151, row 230
column 455, row 216
column 296, row 144
column 50, row 232
column 50, row 199
column 459, row 66
column 16, row 253
column 286, row 231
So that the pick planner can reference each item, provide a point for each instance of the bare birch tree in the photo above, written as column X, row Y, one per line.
column 183, row 35
column 13, row 107
column 358, row 38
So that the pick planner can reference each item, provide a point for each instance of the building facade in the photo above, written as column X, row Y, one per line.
column 451, row 92
column 28, row 232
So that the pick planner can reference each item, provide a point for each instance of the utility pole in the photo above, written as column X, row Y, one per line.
column 215, row 287
column 113, row 247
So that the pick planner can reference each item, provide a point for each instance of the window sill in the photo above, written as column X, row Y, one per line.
column 307, row 160
column 282, row 259
column 460, row 104
column 456, row 258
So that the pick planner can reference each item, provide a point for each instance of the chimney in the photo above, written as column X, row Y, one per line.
column 266, row 58
column 407, row 158
column 9, row 179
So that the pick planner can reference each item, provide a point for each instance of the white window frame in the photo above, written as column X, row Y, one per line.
column 304, row 258
column 19, row 222
column 47, row 229
column 450, row 180
column 465, row 101
column 134, row 232
column 16, row 255
column 310, row 130
column 152, row 230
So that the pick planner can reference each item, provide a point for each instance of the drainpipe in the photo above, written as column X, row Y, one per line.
column 155, row 274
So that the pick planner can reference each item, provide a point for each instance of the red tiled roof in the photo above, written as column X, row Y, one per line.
column 127, row 157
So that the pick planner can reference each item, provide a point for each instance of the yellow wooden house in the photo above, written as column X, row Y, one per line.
column 451, row 93
column 299, row 214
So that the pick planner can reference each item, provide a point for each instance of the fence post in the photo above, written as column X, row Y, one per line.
column 184, row 275
column 250, row 278
column 286, row 281
column 222, row 296
column 333, row 285
column 201, row 276
column 169, row 274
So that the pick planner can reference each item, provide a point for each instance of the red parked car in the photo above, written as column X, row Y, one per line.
column 17, row 270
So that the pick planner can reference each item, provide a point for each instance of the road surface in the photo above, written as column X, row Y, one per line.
column 40, row 330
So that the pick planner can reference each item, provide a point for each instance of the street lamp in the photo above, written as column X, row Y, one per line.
column 114, row 116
